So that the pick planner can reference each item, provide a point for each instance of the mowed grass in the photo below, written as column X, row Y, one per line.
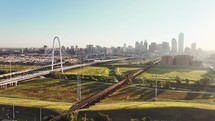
column 122, row 70
column 89, row 70
column 165, row 73
column 55, row 106
column 165, row 111
column 130, row 62
column 145, row 105
column 139, row 94
column 14, row 68
column 53, row 90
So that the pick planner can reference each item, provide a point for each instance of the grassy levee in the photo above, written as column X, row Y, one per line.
column 55, row 106
column 23, row 113
column 165, row 111
column 133, row 93
column 147, row 105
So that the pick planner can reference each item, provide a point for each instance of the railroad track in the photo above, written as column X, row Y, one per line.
column 101, row 95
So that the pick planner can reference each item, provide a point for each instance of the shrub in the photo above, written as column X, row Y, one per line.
column 101, row 117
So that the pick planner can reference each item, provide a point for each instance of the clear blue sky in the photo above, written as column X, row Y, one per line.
column 33, row 23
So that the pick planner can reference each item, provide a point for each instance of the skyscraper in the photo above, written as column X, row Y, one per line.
column 181, row 43
column 124, row 47
column 153, row 47
column 165, row 48
column 174, row 46
column 45, row 47
column 193, row 48
column 137, row 47
column 146, row 45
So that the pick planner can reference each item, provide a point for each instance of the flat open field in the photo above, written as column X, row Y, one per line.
column 165, row 73
column 126, row 103
column 53, row 90
column 123, row 70
column 130, row 62
column 165, row 111
column 90, row 70
column 55, row 106
column 133, row 93
column 146, row 105
column 24, row 113
column 6, row 68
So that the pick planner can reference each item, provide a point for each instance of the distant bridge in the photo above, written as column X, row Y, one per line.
column 27, row 71
column 41, row 71
column 15, row 80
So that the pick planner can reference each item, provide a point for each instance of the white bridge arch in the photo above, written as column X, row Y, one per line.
column 53, row 50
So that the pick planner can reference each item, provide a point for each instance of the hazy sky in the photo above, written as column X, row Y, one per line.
column 33, row 23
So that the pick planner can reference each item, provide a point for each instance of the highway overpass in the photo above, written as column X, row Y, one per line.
column 15, row 80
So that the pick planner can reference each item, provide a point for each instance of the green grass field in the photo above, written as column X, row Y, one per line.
column 138, row 94
column 55, row 106
column 6, row 68
column 172, row 73
column 167, row 74
column 146, row 105
column 53, row 90
column 122, row 70
column 159, row 111
column 130, row 62
column 90, row 70
column 127, row 100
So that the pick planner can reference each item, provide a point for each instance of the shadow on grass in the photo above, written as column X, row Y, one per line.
column 191, row 96
column 149, row 95
column 159, row 114
column 166, row 70
column 94, row 87
column 24, row 113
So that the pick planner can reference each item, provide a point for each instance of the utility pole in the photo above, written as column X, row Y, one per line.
column 78, row 88
column 156, row 90
column 40, row 114
column 13, row 112
column 10, row 70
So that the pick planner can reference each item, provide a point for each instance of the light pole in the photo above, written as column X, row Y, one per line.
column 13, row 112
column 40, row 114
column 10, row 70
column 156, row 90
column 78, row 87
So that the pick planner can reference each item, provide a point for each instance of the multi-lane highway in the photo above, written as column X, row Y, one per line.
column 27, row 71
column 15, row 80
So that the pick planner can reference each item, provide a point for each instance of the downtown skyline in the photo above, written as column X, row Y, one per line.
column 106, row 23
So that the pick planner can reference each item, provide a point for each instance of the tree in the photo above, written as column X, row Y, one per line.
column 205, row 81
column 178, row 80
column 151, row 85
column 57, row 75
column 101, row 117
column 187, row 81
column 167, row 85
column 146, row 119
column 66, row 118
column 48, row 118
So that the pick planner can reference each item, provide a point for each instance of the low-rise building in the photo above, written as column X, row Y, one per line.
column 180, row 60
